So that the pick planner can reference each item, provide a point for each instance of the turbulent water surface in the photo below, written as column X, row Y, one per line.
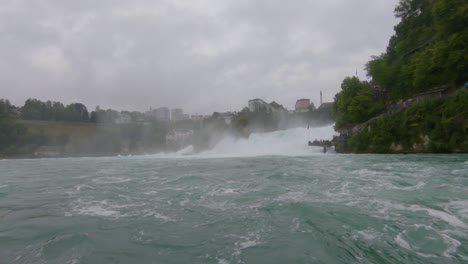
column 315, row 208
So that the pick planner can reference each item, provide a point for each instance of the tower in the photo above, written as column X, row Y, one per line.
column 320, row 97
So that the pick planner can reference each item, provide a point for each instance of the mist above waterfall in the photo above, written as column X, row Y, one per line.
column 291, row 142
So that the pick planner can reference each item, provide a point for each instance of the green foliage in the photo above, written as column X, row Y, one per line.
column 432, row 126
column 428, row 49
column 6, row 108
column 34, row 109
column 11, row 135
column 355, row 103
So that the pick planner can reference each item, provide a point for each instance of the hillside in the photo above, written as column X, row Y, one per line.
column 416, row 98
column 433, row 126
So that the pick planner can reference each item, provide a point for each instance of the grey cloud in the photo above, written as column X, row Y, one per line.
column 201, row 55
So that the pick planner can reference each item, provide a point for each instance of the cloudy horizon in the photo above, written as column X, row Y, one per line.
column 202, row 56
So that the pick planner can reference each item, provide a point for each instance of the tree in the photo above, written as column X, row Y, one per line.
column 34, row 109
column 11, row 133
column 428, row 49
column 355, row 103
column 6, row 108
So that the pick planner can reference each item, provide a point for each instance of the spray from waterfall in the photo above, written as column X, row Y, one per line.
column 292, row 142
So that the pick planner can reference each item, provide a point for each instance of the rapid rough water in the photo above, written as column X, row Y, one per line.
column 247, row 207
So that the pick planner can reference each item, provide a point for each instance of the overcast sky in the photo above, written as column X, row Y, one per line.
column 201, row 55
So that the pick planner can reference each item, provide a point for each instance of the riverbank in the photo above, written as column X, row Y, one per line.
column 433, row 126
column 52, row 139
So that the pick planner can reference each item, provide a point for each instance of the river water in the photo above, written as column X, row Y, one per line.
column 248, row 207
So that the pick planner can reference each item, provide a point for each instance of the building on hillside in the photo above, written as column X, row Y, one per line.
column 312, row 106
column 302, row 105
column 150, row 114
column 328, row 105
column 258, row 105
column 177, row 114
column 162, row 114
column 123, row 118
column 275, row 107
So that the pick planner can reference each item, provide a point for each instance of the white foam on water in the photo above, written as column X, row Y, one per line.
column 248, row 243
column 426, row 255
column 223, row 261
column 222, row 192
column 296, row 224
column 170, row 189
column 367, row 172
column 111, row 180
column 460, row 208
column 401, row 242
column 77, row 188
column 291, row 197
column 127, row 205
column 97, row 210
column 418, row 186
column 74, row 261
column 252, row 240
column 452, row 244
column 368, row 234
column 450, row 219
column 444, row 216
column 292, row 142
column 163, row 218
column 156, row 215
column 186, row 151
column 94, row 208
column 184, row 202
column 449, row 186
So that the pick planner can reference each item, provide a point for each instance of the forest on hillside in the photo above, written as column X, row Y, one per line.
column 417, row 95
column 429, row 48
column 428, row 51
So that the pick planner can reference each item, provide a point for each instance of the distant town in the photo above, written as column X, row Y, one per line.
column 164, row 114
column 52, row 129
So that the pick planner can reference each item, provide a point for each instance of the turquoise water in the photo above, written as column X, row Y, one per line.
column 267, row 209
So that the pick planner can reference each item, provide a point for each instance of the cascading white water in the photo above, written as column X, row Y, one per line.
column 292, row 142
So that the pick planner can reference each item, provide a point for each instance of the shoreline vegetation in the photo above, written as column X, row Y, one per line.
column 50, row 129
column 417, row 98
column 433, row 126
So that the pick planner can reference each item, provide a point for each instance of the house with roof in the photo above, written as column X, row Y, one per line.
column 276, row 108
column 258, row 105
column 302, row 105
